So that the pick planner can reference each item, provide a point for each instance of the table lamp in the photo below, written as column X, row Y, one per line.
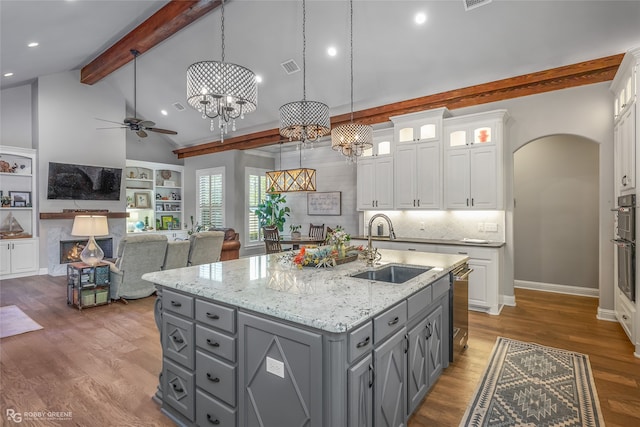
column 90, row 226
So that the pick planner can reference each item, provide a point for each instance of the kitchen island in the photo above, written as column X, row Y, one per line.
column 258, row 341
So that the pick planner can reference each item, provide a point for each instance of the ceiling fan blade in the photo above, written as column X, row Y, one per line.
column 146, row 124
column 141, row 133
column 165, row 131
column 108, row 121
column 116, row 127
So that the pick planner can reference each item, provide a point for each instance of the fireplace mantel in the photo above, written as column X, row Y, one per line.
column 72, row 215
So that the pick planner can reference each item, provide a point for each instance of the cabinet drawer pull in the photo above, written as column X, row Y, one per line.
column 213, row 316
column 363, row 343
column 212, row 378
column 177, row 388
column 176, row 304
column 213, row 343
column 211, row 420
column 177, row 339
column 394, row 321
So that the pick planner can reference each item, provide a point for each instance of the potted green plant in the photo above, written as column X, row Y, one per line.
column 295, row 231
column 272, row 211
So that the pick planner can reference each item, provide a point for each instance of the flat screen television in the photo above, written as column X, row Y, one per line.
column 79, row 182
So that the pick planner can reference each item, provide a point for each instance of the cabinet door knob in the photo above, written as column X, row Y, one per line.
column 393, row 321
column 213, row 316
column 363, row 343
column 212, row 343
column 211, row 420
column 624, row 316
column 212, row 378
column 177, row 388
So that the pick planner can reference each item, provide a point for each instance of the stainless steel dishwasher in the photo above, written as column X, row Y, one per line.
column 459, row 310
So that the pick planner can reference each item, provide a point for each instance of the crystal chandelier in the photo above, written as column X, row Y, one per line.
column 221, row 90
column 351, row 139
column 291, row 180
column 305, row 121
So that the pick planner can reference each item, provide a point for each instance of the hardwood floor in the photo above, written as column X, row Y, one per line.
column 102, row 363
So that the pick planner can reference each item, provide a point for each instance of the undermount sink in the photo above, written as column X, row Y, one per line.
column 392, row 273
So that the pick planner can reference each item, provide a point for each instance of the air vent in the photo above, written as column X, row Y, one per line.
column 290, row 66
column 472, row 4
column 178, row 106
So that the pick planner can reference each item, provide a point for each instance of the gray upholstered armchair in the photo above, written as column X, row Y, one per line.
column 205, row 247
column 137, row 255
column 177, row 254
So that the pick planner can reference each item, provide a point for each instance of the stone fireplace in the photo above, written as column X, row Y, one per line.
column 70, row 249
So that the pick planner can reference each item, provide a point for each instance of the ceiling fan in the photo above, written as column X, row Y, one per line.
column 139, row 126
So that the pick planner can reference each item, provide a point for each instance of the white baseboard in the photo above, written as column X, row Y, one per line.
column 508, row 300
column 560, row 289
column 608, row 315
column 43, row 272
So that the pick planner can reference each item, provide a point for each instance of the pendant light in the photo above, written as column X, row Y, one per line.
column 304, row 121
column 221, row 90
column 351, row 139
column 291, row 180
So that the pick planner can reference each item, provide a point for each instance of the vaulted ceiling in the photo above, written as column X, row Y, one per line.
column 395, row 59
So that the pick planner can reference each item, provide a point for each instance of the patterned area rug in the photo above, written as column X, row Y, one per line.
column 527, row 384
column 13, row 321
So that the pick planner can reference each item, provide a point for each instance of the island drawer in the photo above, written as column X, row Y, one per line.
column 390, row 321
column 360, row 341
column 441, row 287
column 216, row 342
column 216, row 315
column 179, row 339
column 419, row 301
column 178, row 303
column 211, row 412
column 178, row 388
column 216, row 377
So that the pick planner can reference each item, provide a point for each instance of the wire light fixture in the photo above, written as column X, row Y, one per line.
column 352, row 139
column 291, row 180
column 304, row 121
column 221, row 90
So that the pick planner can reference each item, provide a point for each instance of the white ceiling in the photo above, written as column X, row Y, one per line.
column 394, row 58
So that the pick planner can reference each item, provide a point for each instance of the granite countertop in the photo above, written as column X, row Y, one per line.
column 471, row 242
column 321, row 298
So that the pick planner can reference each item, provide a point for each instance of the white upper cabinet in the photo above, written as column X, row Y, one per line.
column 375, row 173
column 418, row 159
column 474, row 159
column 624, row 88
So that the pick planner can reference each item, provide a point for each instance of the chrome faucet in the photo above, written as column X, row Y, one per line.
column 371, row 254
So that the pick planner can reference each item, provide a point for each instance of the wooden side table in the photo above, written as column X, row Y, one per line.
column 88, row 286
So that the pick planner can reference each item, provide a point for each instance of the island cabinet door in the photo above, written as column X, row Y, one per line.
column 390, row 379
column 435, row 344
column 360, row 384
column 280, row 374
column 418, row 379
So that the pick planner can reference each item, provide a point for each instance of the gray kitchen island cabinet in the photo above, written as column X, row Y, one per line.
column 304, row 347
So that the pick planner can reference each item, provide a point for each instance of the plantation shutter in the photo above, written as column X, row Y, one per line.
column 257, row 185
column 211, row 197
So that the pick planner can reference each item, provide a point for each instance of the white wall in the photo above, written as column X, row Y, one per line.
column 15, row 117
column 556, row 213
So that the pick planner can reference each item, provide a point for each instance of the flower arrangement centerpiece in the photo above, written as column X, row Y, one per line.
column 339, row 239
column 335, row 252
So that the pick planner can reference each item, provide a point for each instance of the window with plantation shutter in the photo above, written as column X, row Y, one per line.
column 210, row 210
column 256, row 188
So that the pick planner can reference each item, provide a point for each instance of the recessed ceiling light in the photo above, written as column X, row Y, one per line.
column 258, row 79
column 164, row 112
column 8, row 74
column 420, row 18
column 332, row 51
column 33, row 44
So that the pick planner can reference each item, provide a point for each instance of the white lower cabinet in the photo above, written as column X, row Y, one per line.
column 18, row 257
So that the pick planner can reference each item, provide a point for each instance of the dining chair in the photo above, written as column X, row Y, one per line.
column 316, row 231
column 271, row 239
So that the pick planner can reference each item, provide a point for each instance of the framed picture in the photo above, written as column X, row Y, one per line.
column 167, row 222
column 20, row 198
column 328, row 203
column 142, row 200
column 167, row 206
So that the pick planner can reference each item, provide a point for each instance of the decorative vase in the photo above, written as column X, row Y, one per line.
column 341, row 250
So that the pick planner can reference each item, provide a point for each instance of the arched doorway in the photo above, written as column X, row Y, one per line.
column 556, row 214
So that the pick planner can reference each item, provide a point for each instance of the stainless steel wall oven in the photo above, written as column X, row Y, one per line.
column 626, row 245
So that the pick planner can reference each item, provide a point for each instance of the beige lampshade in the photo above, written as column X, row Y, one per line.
column 90, row 225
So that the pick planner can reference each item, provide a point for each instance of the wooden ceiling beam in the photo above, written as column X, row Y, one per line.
column 167, row 21
column 583, row 73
